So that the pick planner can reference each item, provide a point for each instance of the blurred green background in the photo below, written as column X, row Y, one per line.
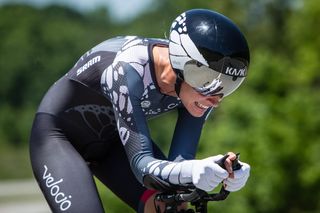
column 272, row 120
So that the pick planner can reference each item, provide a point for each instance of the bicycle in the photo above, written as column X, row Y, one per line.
column 174, row 195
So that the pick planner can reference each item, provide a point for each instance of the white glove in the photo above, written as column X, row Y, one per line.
column 239, row 180
column 206, row 174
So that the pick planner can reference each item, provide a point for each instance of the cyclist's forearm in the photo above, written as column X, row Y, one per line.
column 172, row 172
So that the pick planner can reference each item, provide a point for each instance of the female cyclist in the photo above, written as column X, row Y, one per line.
column 93, row 120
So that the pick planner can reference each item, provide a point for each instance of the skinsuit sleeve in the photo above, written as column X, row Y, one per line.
column 124, row 85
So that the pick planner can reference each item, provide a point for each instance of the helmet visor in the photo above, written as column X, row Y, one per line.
column 230, row 66
column 223, row 80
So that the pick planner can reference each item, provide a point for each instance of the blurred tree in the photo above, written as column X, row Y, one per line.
column 37, row 47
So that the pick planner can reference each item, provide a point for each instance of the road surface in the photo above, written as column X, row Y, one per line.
column 21, row 196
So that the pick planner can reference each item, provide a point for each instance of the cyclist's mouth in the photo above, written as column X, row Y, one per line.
column 201, row 106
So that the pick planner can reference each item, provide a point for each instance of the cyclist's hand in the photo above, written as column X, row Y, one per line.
column 206, row 174
column 238, row 179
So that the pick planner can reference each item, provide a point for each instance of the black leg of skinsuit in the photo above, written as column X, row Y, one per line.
column 114, row 171
column 62, row 174
column 65, row 178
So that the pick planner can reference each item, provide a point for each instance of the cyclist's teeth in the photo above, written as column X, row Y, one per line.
column 201, row 105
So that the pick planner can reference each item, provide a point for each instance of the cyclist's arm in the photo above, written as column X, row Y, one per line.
column 186, row 135
column 125, row 95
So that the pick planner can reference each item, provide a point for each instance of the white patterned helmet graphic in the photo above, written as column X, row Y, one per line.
column 208, row 51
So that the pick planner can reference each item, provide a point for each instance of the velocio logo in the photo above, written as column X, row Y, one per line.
column 60, row 198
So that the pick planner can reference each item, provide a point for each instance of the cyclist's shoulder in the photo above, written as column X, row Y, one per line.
column 128, row 48
column 141, row 46
column 129, row 40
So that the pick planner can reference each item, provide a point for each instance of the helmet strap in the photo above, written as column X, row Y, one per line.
column 178, row 83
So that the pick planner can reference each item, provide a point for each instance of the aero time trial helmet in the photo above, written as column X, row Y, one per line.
column 208, row 51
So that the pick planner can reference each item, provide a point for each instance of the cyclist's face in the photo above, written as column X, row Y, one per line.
column 195, row 103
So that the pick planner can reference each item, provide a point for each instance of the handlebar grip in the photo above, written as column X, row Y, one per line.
column 235, row 163
column 223, row 194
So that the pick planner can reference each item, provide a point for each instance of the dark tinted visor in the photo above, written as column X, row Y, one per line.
column 230, row 66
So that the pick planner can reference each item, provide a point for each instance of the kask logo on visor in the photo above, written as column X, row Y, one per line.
column 230, row 66
column 220, row 78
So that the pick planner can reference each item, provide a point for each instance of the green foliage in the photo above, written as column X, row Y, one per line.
column 14, row 162
column 272, row 120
